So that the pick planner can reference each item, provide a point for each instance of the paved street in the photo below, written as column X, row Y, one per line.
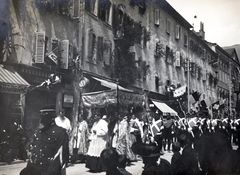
column 79, row 169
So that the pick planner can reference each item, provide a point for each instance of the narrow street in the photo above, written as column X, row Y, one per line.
column 135, row 169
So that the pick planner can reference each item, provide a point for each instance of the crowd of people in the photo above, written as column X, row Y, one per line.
column 110, row 143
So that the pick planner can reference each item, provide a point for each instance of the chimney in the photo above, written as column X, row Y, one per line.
column 201, row 32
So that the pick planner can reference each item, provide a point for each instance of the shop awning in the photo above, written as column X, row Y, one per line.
column 11, row 81
column 111, row 85
column 164, row 108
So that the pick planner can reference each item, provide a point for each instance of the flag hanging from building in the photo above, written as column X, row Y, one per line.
column 206, row 102
column 179, row 91
column 53, row 57
column 196, row 95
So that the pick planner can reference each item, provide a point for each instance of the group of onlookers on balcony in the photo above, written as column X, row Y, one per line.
column 199, row 146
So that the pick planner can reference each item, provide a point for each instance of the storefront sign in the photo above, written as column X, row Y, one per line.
column 68, row 100
column 13, row 88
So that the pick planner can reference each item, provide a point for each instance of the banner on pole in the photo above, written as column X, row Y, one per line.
column 104, row 98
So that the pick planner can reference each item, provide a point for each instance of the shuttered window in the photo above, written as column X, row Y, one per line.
column 157, row 17
column 168, row 26
column 92, row 6
column 91, row 44
column 100, row 48
column 185, row 40
column 107, row 52
column 177, row 31
column 76, row 8
column 204, row 74
column 203, row 54
column 40, row 47
column 169, row 55
column 178, row 59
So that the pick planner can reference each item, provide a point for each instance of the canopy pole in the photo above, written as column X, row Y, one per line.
column 117, row 109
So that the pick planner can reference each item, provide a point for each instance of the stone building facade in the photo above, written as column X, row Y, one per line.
column 145, row 46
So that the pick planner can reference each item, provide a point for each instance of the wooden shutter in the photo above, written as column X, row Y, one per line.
column 91, row 43
column 157, row 17
column 204, row 75
column 100, row 48
column 178, row 60
column 185, row 40
column 76, row 8
column 64, row 54
column 168, row 26
column 40, row 47
column 177, row 31
column 107, row 52
column 70, row 54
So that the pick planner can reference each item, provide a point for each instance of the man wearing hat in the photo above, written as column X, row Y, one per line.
column 167, row 131
column 153, row 164
column 49, row 153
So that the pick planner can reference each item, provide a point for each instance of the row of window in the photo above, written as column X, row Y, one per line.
column 98, row 48
column 178, row 29
column 62, row 52
column 194, row 46
column 102, row 8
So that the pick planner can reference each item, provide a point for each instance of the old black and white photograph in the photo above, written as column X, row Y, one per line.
column 119, row 87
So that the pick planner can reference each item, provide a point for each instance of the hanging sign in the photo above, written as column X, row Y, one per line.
column 83, row 82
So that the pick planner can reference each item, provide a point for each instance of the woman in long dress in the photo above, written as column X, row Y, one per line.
column 124, row 143
column 99, row 139
column 80, row 142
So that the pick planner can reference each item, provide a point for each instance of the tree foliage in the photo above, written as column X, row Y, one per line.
column 127, row 32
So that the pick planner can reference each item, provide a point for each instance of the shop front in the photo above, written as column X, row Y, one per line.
column 39, row 94
column 12, row 97
column 12, row 104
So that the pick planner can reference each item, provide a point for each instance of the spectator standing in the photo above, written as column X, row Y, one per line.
column 49, row 154
column 109, row 158
column 153, row 164
column 80, row 140
column 168, row 128
column 136, row 128
column 124, row 143
column 176, row 161
column 189, row 156
column 63, row 121
column 99, row 138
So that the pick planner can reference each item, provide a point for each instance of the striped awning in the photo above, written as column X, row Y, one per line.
column 111, row 85
column 164, row 108
column 11, row 81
